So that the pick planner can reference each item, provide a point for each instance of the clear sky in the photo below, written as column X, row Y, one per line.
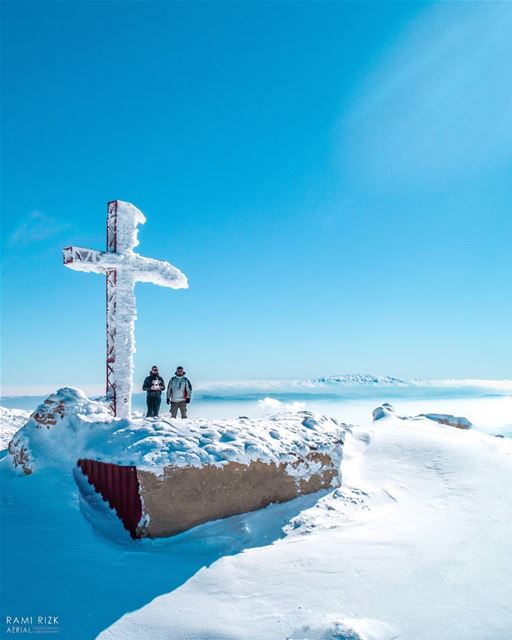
column 334, row 179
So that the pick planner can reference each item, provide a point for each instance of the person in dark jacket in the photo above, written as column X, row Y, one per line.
column 153, row 385
column 179, row 393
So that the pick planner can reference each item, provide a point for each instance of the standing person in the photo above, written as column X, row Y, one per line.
column 179, row 393
column 153, row 385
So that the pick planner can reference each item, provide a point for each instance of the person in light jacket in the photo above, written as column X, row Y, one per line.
column 179, row 393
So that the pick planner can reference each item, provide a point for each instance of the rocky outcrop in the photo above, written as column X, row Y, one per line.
column 444, row 418
column 165, row 475
column 383, row 411
column 386, row 410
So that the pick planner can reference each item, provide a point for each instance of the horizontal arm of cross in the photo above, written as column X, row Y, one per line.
column 142, row 269
column 157, row 272
column 81, row 259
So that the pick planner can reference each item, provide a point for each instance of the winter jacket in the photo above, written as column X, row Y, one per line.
column 154, row 385
column 179, row 389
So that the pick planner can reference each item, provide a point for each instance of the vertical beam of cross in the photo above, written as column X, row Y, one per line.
column 111, row 282
column 122, row 268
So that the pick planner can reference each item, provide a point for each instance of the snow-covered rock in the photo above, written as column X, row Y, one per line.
column 57, row 430
column 180, row 473
column 386, row 410
column 68, row 426
column 383, row 411
column 445, row 418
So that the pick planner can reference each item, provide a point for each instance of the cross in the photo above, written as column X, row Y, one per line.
column 123, row 268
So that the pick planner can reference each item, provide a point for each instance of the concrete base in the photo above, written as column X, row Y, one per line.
column 187, row 496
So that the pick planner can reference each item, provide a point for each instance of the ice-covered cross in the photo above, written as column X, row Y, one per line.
column 123, row 268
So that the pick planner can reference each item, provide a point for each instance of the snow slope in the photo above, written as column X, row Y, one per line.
column 416, row 545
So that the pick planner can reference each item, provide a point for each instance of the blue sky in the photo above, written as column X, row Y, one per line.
column 334, row 179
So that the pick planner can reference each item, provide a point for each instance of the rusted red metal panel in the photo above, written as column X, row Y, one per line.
column 119, row 487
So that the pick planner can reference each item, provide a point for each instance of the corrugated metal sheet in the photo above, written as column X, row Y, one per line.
column 119, row 487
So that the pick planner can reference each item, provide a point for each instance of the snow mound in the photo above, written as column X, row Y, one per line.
column 346, row 630
column 68, row 426
column 339, row 508
column 386, row 410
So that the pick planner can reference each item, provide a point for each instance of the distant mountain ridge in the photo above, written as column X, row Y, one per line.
column 361, row 378
column 353, row 380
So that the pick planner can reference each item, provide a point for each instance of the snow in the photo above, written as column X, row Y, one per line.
column 10, row 421
column 414, row 545
column 346, row 630
column 423, row 552
column 68, row 426
column 128, row 220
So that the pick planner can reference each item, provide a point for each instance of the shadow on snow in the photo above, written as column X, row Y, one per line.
column 65, row 552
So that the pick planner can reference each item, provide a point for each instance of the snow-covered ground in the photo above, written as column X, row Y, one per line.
column 10, row 421
column 414, row 545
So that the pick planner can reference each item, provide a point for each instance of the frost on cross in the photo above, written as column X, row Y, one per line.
column 123, row 268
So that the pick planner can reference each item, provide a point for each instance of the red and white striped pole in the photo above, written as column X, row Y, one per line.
column 111, row 275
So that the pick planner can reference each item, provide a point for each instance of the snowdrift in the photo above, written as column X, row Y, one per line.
column 163, row 476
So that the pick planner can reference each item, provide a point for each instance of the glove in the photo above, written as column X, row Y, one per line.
column 187, row 400
column 168, row 401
